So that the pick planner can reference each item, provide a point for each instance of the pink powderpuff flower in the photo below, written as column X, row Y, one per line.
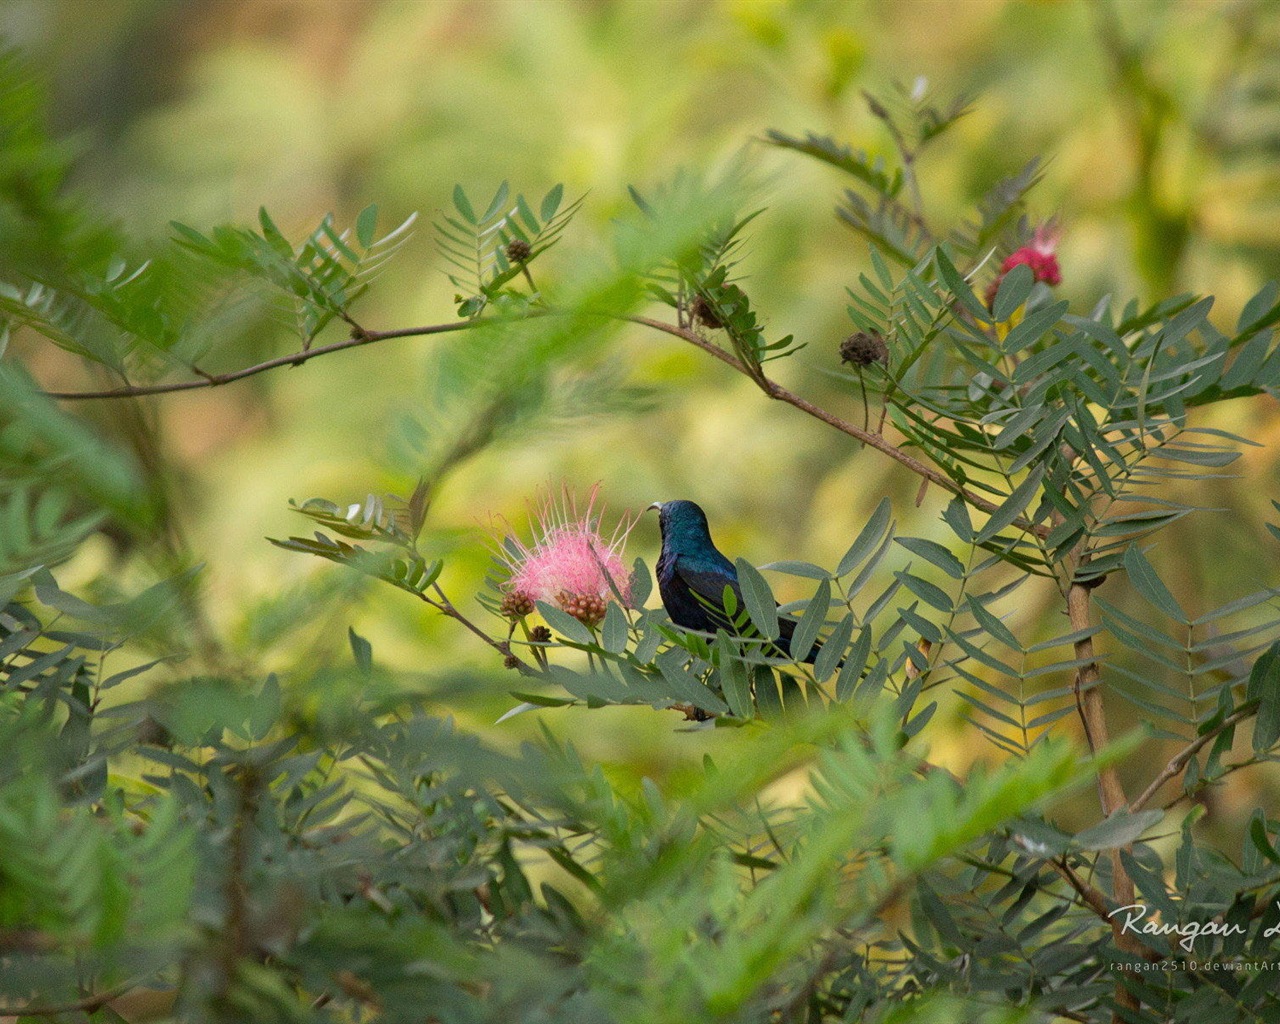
column 569, row 564
column 1040, row 255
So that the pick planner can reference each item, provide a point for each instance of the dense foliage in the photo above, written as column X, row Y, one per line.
column 242, row 842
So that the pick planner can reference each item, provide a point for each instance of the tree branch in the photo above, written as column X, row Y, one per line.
column 89, row 1004
column 358, row 338
column 1088, row 693
column 361, row 336
column 446, row 607
column 1175, row 766
column 867, row 437
column 1097, row 902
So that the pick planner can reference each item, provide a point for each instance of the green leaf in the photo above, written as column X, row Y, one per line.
column 733, row 678
column 463, row 205
column 565, row 624
column 266, row 708
column 275, row 238
column 959, row 287
column 539, row 700
column 929, row 593
column 854, row 662
column 991, row 624
column 759, row 599
column 362, row 650
column 1034, row 327
column 367, row 225
column 815, row 615
column 551, row 202
column 641, row 583
column 833, row 649
column 956, row 515
column 806, row 570
column 1264, row 687
column 1119, row 829
column 1015, row 286
column 526, row 217
column 687, row 687
column 1012, row 506
column 768, row 699
column 496, row 204
column 867, row 539
column 1149, row 585
column 934, row 554
column 613, row 634
column 1261, row 841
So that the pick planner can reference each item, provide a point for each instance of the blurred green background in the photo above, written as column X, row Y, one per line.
column 1159, row 125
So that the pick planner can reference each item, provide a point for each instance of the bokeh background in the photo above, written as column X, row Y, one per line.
column 1158, row 124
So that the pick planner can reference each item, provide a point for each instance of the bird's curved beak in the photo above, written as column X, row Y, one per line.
column 657, row 505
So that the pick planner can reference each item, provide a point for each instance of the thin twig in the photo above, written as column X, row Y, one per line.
column 874, row 440
column 1096, row 901
column 358, row 337
column 1088, row 694
column 89, row 1004
column 1177, row 764
column 443, row 605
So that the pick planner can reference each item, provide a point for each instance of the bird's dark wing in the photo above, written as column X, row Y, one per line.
column 708, row 583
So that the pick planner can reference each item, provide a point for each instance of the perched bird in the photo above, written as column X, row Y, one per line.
column 692, row 575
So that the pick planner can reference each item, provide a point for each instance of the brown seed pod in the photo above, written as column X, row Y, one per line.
column 704, row 313
column 863, row 349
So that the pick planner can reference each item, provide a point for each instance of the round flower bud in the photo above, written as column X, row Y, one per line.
column 516, row 605
column 518, row 250
column 586, row 608
column 540, row 634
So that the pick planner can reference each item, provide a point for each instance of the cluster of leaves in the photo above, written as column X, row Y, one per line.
column 322, row 868
column 488, row 251
column 699, row 283
column 323, row 276
column 395, row 531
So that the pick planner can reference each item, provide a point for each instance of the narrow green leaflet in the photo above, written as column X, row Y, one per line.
column 759, row 599
column 1013, row 506
column 1146, row 581
column 814, row 616
column 1264, row 687
column 960, row 287
column 867, row 540
column 565, row 624
column 1120, row 829
column 1013, row 291
column 833, row 649
column 733, row 678
column 367, row 225
column 935, row 554
column 613, row 634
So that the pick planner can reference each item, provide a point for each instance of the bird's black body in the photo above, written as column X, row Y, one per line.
column 692, row 575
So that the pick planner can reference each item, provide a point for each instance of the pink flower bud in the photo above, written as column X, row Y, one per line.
column 569, row 563
column 1040, row 255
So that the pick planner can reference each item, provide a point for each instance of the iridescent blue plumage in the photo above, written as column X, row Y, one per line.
column 692, row 575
